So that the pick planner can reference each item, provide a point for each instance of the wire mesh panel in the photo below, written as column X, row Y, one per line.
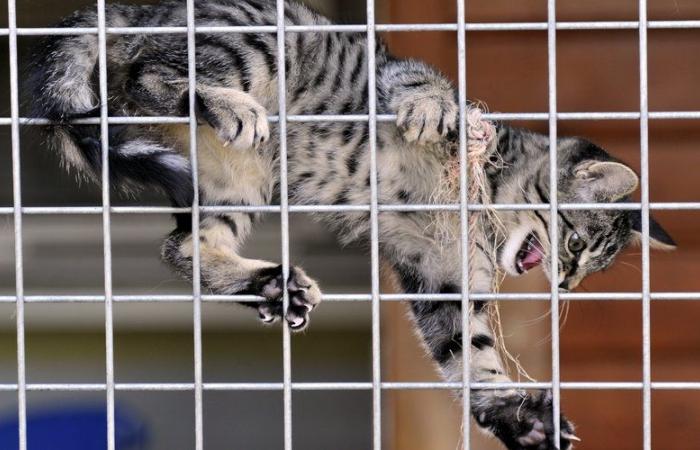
column 374, row 208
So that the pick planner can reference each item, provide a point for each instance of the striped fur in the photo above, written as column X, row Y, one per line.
column 328, row 163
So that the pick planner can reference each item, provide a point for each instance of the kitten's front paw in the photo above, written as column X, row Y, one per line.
column 237, row 118
column 524, row 422
column 427, row 116
column 304, row 295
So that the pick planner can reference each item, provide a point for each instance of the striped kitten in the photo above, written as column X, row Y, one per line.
column 326, row 73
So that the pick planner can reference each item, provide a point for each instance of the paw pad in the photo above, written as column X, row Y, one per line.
column 303, row 293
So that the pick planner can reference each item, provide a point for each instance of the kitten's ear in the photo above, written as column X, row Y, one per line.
column 606, row 179
column 659, row 239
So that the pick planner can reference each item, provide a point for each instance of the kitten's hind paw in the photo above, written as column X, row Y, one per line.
column 303, row 292
column 524, row 422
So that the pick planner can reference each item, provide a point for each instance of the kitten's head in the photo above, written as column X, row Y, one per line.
column 589, row 240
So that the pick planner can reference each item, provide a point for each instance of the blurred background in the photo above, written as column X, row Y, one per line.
column 600, row 341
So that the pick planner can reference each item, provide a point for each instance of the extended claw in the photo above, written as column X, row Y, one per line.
column 570, row 437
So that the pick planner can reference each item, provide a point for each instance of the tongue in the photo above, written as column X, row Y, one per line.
column 532, row 259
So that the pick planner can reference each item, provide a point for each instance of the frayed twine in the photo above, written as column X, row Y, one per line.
column 481, row 153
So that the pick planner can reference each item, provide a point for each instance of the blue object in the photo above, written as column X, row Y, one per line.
column 73, row 427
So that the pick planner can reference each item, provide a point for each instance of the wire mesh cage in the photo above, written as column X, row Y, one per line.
column 374, row 298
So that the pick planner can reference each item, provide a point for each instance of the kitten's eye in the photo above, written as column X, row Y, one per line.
column 576, row 244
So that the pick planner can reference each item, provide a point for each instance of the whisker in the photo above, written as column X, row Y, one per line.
column 625, row 263
column 564, row 313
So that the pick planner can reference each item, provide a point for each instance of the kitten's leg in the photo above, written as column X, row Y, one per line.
column 241, row 124
column 522, row 421
column 224, row 271
column 422, row 98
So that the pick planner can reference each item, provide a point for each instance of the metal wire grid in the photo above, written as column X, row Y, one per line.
column 284, row 209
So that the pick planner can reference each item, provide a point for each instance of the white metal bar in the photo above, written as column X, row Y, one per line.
column 17, row 215
column 119, row 120
column 464, row 224
column 360, row 28
column 374, row 229
column 196, row 260
column 644, row 164
column 213, row 298
column 106, row 222
column 312, row 118
column 284, row 222
column 350, row 386
column 75, row 210
column 553, row 216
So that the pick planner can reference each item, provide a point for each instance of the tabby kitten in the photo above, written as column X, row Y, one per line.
column 328, row 163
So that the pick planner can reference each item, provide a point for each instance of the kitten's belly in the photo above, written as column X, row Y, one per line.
column 226, row 175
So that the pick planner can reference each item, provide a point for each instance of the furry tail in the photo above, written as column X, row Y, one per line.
column 63, row 80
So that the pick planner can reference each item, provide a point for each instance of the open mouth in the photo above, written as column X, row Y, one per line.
column 530, row 254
